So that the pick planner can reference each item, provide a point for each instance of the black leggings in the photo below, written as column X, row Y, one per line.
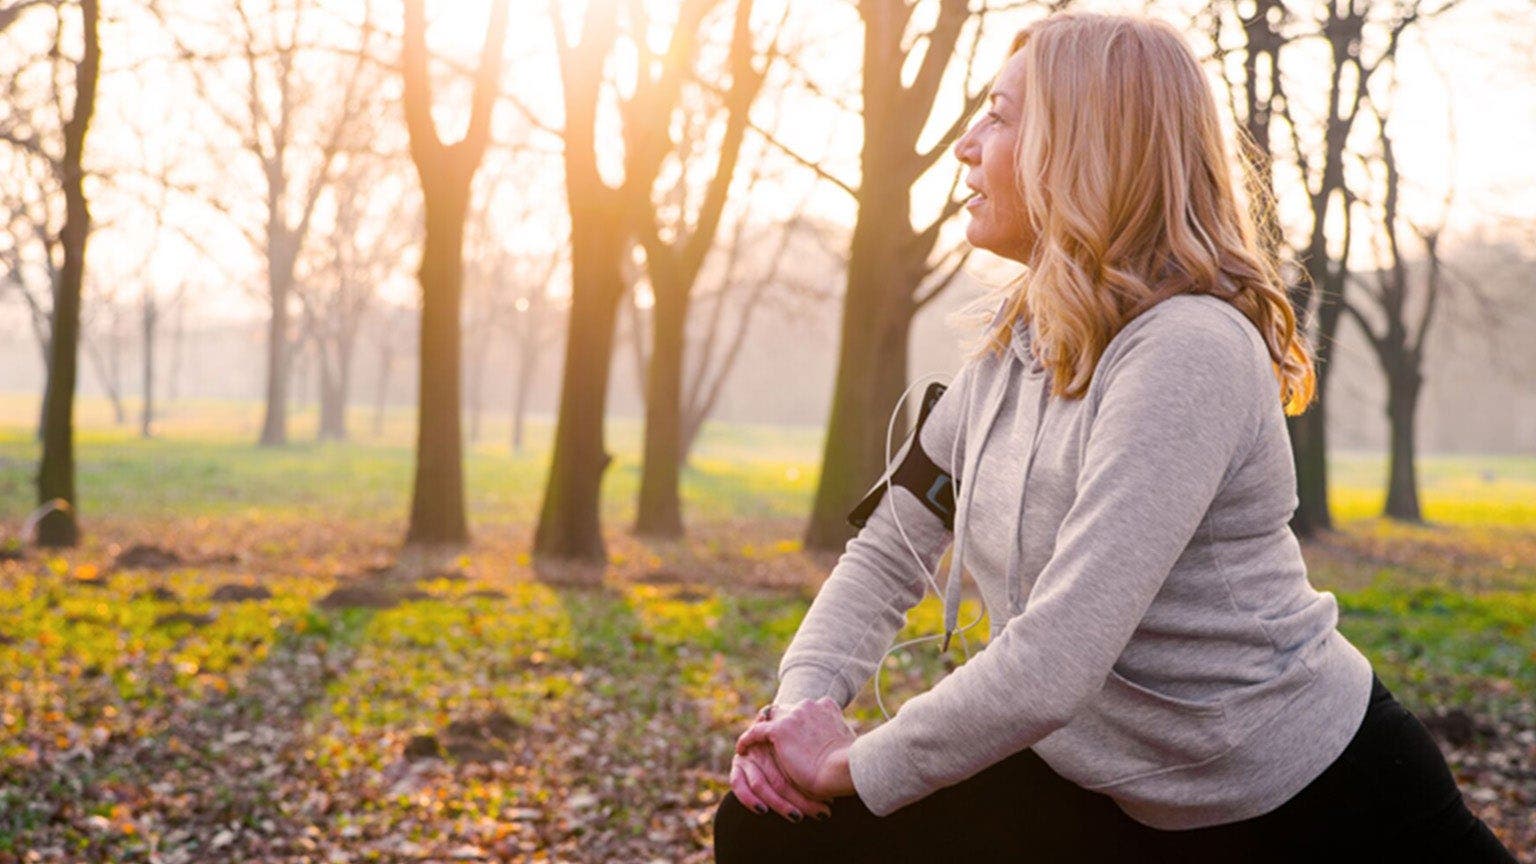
column 1388, row 797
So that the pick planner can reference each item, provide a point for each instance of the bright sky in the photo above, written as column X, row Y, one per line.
column 1464, row 114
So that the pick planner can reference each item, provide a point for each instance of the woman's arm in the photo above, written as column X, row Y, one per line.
column 1177, row 409
column 864, row 601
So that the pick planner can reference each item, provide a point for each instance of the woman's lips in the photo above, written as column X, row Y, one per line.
column 975, row 200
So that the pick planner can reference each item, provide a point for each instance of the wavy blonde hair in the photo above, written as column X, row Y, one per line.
column 1128, row 186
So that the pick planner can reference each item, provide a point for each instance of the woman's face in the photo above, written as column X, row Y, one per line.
column 998, row 224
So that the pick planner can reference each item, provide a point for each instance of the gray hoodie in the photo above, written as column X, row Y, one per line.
column 1153, row 633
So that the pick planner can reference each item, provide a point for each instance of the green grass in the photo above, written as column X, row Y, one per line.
column 1445, row 611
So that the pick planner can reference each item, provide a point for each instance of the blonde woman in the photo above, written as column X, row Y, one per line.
column 1162, row 682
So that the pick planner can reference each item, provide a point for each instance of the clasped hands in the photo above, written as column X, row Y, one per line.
column 795, row 760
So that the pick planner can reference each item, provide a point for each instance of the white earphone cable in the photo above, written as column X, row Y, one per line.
column 929, row 576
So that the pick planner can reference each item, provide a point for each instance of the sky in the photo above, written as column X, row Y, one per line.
column 1463, row 115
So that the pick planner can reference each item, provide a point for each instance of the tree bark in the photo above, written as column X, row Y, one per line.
column 568, row 524
column 1402, row 478
column 568, row 519
column 280, row 263
column 437, row 504
column 56, row 473
column 888, row 259
column 446, row 172
column 660, row 511
column 871, row 369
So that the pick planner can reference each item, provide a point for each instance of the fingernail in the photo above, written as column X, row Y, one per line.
column 794, row 816
column 761, row 809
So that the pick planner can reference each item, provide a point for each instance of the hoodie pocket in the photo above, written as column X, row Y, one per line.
column 1128, row 731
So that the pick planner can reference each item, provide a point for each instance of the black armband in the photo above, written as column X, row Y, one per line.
column 917, row 473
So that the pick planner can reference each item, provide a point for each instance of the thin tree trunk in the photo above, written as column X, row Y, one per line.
column 1402, row 483
column 521, row 382
column 660, row 510
column 333, row 394
column 274, row 423
column 381, row 395
column 56, row 473
column 147, row 418
column 479, row 348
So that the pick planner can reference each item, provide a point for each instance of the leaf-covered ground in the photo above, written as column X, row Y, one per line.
column 237, row 664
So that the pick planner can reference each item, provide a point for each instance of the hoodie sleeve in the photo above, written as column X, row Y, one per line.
column 863, row 603
column 1177, row 411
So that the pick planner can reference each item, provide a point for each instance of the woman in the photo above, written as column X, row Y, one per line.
column 1161, row 682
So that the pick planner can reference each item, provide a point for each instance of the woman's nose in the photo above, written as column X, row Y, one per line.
column 965, row 148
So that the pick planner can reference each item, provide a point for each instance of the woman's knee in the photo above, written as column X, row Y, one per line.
column 744, row 836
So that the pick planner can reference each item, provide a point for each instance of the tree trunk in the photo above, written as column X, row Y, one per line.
column 274, row 423
column 527, row 360
column 437, row 502
column 381, row 396
column 333, row 394
column 871, row 374
column 660, row 510
column 112, row 377
column 568, row 519
column 888, row 258
column 56, row 473
column 146, row 419
column 1402, row 483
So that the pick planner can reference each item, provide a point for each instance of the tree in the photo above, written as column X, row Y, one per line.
column 1398, row 342
column 281, row 78
column 1358, row 38
column 892, row 269
column 446, row 171
column 604, row 220
column 675, row 252
column 358, row 254
column 56, row 474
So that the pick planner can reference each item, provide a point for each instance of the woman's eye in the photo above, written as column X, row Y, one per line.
column 994, row 117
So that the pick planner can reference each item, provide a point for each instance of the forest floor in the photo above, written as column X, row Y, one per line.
column 238, row 665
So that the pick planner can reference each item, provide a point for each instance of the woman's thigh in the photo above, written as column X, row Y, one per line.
column 1018, row 809
column 1388, row 797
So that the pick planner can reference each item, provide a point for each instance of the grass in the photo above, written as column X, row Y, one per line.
column 649, row 677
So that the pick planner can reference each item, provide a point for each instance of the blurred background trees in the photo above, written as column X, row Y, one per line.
column 677, row 211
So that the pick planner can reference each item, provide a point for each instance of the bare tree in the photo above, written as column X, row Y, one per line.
column 358, row 254
column 446, row 171
column 56, row 474
column 29, row 249
column 1360, row 38
column 535, row 329
column 280, row 76
column 753, row 272
column 892, row 267
column 604, row 222
column 105, row 323
column 675, row 252
column 1406, row 314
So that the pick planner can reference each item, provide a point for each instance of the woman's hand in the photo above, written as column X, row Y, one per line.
column 810, row 743
column 760, row 785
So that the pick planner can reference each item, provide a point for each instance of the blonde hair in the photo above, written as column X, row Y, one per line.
column 1128, row 187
